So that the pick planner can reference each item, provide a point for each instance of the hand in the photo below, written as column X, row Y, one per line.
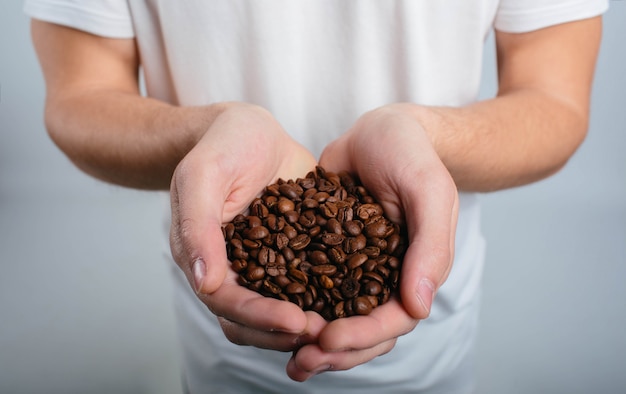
column 394, row 158
column 243, row 151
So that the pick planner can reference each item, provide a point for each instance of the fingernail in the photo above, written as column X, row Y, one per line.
column 199, row 273
column 322, row 368
column 425, row 293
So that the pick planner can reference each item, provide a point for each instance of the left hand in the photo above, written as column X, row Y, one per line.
column 391, row 153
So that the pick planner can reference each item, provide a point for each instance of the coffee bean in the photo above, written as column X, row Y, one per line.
column 362, row 306
column 321, row 242
column 324, row 269
column 257, row 232
column 299, row 242
column 295, row 288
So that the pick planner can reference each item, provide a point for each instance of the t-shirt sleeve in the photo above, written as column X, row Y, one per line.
column 518, row 16
column 107, row 18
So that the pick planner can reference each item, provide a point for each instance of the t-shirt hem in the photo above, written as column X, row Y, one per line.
column 81, row 18
column 548, row 15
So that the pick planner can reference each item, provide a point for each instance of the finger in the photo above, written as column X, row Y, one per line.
column 335, row 156
column 196, row 238
column 362, row 332
column 277, row 340
column 312, row 360
column 250, row 309
column 431, row 220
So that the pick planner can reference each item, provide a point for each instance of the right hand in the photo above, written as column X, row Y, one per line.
column 244, row 150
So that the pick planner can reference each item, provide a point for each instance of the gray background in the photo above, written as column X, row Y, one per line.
column 85, row 302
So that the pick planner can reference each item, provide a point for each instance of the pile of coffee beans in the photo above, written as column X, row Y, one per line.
column 321, row 242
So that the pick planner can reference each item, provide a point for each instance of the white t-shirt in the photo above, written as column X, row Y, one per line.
column 317, row 65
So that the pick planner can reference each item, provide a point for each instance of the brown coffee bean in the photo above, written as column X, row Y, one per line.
column 307, row 218
column 372, row 288
column 339, row 310
column 393, row 263
column 324, row 269
column 326, row 282
column 254, row 273
column 295, row 288
column 350, row 288
column 371, row 251
column 298, row 276
column 239, row 265
column 356, row 260
column 353, row 228
column 275, row 223
column 258, row 232
column 320, row 196
column 309, row 203
column 251, row 244
column 329, row 209
column 307, row 183
column 320, row 242
column 362, row 306
column 333, row 226
column 337, row 255
column 369, row 265
column 271, row 287
column 274, row 269
column 376, row 229
column 229, row 231
column 354, row 244
column 289, row 191
column 282, row 280
column 299, row 242
column 285, row 205
column 373, row 276
column 239, row 254
column 266, row 255
column 332, row 239
column 318, row 257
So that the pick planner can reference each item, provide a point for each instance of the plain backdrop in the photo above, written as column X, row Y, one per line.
column 85, row 298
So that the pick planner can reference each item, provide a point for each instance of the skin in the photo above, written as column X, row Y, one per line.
column 214, row 161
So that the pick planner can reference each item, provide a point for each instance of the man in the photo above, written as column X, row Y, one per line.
column 242, row 92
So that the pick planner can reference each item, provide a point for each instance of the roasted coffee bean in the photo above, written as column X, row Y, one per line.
column 298, row 276
column 289, row 191
column 356, row 260
column 333, row 226
column 324, row 269
column 372, row 288
column 350, row 287
column 326, row 282
column 254, row 273
column 332, row 239
column 295, row 288
column 239, row 265
column 258, row 232
column 318, row 257
column 353, row 228
column 321, row 242
column 271, row 287
column 362, row 306
column 375, row 230
column 285, row 205
column 229, row 230
column 300, row 242
column 282, row 280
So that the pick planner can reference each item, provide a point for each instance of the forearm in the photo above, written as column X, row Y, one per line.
column 123, row 138
column 504, row 142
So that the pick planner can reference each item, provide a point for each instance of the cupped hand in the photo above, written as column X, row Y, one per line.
column 393, row 156
column 244, row 150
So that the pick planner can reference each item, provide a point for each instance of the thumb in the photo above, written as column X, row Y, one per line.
column 196, row 237
column 335, row 156
column 428, row 259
